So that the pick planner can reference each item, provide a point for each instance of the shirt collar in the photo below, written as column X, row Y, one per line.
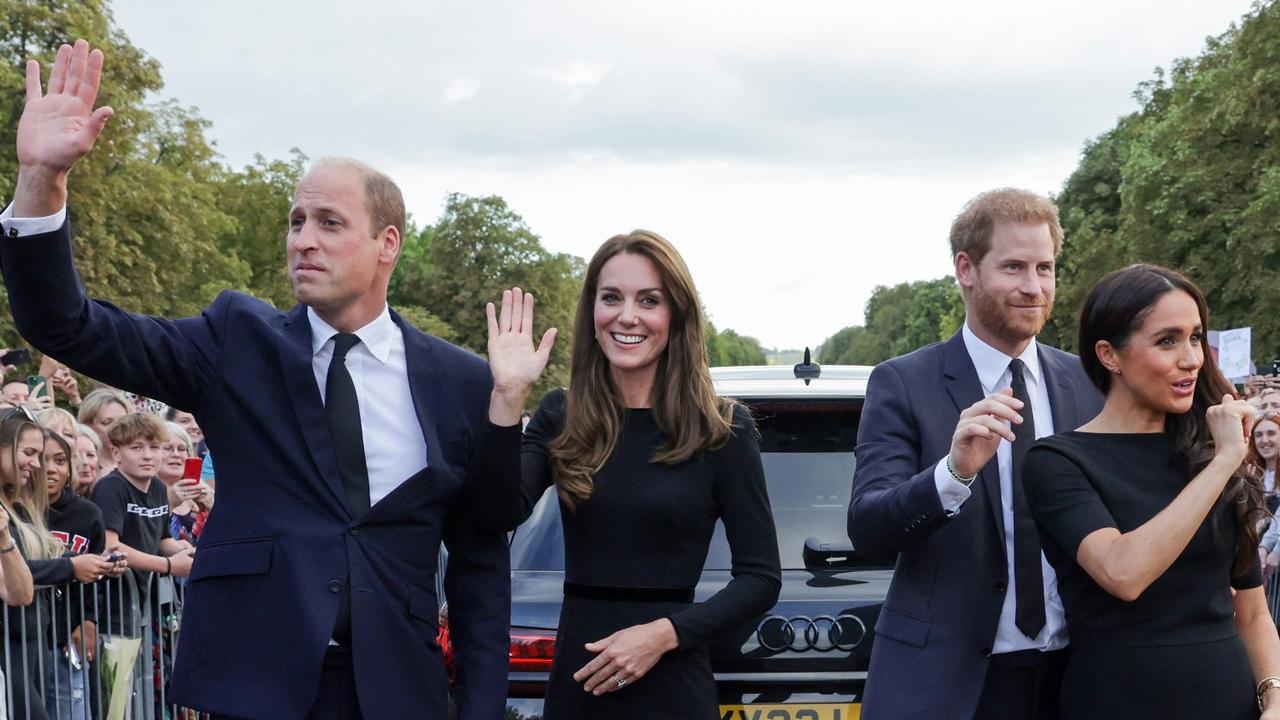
column 992, row 364
column 376, row 336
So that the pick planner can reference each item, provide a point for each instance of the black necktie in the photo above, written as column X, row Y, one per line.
column 1029, row 612
column 343, row 410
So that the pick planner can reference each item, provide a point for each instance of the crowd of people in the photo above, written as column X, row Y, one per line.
column 1263, row 395
column 91, row 489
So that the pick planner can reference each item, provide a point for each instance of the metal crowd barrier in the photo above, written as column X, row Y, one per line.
column 136, row 636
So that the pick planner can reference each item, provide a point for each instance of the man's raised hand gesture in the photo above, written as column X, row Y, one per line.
column 981, row 427
column 58, row 127
column 514, row 361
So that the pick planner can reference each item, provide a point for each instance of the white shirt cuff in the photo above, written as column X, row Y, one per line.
column 951, row 492
column 22, row 227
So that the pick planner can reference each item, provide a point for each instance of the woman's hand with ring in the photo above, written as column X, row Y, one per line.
column 626, row 656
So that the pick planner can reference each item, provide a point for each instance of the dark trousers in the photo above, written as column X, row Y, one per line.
column 337, row 697
column 1022, row 685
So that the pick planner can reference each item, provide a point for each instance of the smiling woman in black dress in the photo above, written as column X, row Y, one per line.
column 645, row 458
column 1150, row 519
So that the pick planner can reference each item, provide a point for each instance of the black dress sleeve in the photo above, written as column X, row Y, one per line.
column 1250, row 578
column 535, row 453
column 57, row 571
column 1065, row 506
column 742, row 500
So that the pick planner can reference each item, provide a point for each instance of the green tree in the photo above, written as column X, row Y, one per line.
column 479, row 247
column 1190, row 181
column 258, row 199
column 144, row 204
column 899, row 318
column 935, row 312
column 726, row 348
column 835, row 347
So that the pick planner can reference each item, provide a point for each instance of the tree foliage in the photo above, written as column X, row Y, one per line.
column 160, row 222
column 899, row 319
column 477, row 248
column 726, row 347
column 1190, row 181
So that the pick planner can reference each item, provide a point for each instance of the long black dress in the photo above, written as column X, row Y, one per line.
column 1174, row 652
column 644, row 533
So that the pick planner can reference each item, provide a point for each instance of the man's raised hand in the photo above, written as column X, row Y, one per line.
column 514, row 361
column 980, row 429
column 58, row 127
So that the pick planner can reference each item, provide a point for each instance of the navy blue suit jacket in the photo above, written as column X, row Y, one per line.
column 281, row 542
column 938, row 623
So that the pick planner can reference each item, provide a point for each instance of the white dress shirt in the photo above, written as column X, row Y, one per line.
column 394, row 448
column 993, row 372
column 18, row 227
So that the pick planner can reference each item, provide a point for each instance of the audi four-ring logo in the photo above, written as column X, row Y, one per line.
column 822, row 633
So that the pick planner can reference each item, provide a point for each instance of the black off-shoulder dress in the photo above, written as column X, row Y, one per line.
column 1172, row 653
column 634, row 552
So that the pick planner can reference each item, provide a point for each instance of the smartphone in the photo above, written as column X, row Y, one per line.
column 34, row 380
column 115, row 557
column 191, row 468
column 1275, row 367
column 16, row 357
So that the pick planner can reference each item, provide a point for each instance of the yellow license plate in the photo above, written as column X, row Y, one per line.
column 794, row 711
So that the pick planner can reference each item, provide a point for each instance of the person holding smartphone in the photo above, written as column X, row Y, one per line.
column 77, row 524
column 15, row 392
column 190, row 500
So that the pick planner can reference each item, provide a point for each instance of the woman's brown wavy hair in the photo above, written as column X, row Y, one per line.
column 685, row 406
column 1115, row 308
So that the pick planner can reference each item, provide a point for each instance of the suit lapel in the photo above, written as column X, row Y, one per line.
column 1062, row 399
column 300, row 380
column 966, row 389
column 424, row 386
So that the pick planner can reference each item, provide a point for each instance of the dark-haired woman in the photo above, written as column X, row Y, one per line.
column 1150, row 517
column 77, row 524
column 645, row 458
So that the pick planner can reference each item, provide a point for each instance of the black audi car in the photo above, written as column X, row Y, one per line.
column 806, row 659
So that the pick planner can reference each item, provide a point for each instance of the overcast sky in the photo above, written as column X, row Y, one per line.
column 798, row 154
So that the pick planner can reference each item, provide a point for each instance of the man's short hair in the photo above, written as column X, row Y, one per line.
column 971, row 230
column 137, row 426
column 382, row 197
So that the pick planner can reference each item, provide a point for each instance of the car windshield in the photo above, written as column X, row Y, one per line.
column 807, row 452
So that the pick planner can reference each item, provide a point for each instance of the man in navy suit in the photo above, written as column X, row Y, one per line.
column 346, row 442
column 972, row 626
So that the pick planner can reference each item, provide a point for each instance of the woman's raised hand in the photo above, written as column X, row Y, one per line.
column 1230, row 424
column 514, row 361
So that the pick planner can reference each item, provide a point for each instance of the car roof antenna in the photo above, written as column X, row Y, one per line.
column 807, row 370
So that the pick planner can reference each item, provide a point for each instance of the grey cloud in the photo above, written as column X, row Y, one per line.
column 373, row 78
